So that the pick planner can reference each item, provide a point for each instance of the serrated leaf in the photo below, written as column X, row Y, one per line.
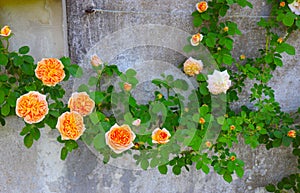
column 75, row 71
column 227, row 177
column 35, row 132
column 239, row 171
column 205, row 169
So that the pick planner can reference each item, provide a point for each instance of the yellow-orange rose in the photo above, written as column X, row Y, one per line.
column 70, row 125
column 292, row 134
column 119, row 138
column 201, row 6
column 81, row 103
column 127, row 87
column 5, row 31
column 160, row 136
column 32, row 106
column 50, row 71
column 196, row 39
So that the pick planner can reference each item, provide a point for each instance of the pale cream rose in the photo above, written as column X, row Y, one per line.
column 192, row 66
column 96, row 61
column 196, row 39
column 136, row 122
column 218, row 82
column 160, row 136
column 295, row 7
column 81, row 103
column 119, row 138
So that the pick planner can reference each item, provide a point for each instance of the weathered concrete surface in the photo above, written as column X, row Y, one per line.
column 39, row 168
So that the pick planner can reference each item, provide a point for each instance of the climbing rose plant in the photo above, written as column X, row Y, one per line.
column 34, row 93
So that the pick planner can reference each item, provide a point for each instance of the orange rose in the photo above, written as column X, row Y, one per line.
column 282, row 4
column 201, row 6
column 70, row 125
column 196, row 39
column 50, row 71
column 280, row 40
column 119, row 138
column 202, row 121
column 208, row 144
column 292, row 134
column 233, row 158
column 5, row 31
column 160, row 136
column 127, row 87
column 32, row 106
column 81, row 103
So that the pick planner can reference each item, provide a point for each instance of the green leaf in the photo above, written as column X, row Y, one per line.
column 144, row 164
column 270, row 188
column 2, row 96
column 35, row 132
column 63, row 153
column 278, row 134
column 25, row 130
column 30, row 87
column 284, row 47
column 28, row 140
column 210, row 42
column 163, row 169
column 176, row 169
column 5, row 109
column 3, row 60
column 70, row 145
column 227, row 177
column 27, row 69
column 205, row 169
column 130, row 73
column 239, row 172
column 99, row 141
column 3, row 78
column 197, row 21
column 93, row 81
column 24, row 50
column 154, row 162
column 18, row 61
column 289, row 19
column 187, row 48
column 76, row 71
column 66, row 61
column 227, row 59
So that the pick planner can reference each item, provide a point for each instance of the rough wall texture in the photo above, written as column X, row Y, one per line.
column 39, row 168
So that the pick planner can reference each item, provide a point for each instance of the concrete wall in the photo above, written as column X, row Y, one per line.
column 38, row 23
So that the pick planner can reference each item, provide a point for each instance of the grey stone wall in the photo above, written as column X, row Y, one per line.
column 39, row 169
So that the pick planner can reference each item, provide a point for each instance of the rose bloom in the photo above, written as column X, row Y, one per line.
column 50, row 71
column 136, row 122
column 32, row 106
column 192, row 66
column 282, row 4
column 127, row 86
column 292, row 134
column 5, row 31
column 226, row 29
column 208, row 144
column 96, row 61
column 280, row 40
column 70, row 125
column 81, row 103
column 295, row 7
column 218, row 82
column 201, row 6
column 196, row 39
column 119, row 138
column 160, row 136
column 233, row 158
